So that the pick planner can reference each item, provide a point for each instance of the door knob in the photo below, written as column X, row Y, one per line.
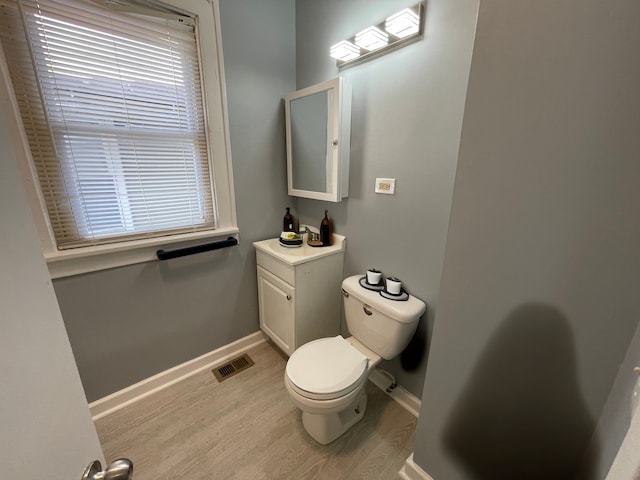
column 121, row 469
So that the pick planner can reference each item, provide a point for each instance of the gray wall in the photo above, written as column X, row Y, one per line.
column 538, row 301
column 407, row 113
column 129, row 323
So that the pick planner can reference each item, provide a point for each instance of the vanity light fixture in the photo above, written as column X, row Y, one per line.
column 345, row 51
column 397, row 30
column 403, row 23
column 372, row 38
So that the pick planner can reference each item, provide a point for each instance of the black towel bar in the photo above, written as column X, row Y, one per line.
column 182, row 252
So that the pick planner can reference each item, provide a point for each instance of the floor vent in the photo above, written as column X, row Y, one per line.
column 229, row 369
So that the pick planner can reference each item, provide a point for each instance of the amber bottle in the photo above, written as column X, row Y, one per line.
column 325, row 230
column 288, row 225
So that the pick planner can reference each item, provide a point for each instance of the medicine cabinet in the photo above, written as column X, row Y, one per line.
column 318, row 124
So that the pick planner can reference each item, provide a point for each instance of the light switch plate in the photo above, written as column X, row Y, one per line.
column 386, row 186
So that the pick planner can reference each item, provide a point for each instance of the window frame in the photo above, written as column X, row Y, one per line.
column 62, row 263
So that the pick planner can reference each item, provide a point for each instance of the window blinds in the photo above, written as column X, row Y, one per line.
column 113, row 110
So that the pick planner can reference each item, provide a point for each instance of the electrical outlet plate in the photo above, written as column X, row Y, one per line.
column 386, row 186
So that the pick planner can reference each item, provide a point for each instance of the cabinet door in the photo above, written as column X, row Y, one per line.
column 277, row 306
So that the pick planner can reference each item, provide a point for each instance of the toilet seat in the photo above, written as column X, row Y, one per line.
column 326, row 369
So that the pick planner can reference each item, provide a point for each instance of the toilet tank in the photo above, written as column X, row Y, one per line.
column 383, row 325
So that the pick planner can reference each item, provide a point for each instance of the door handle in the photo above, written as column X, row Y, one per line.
column 121, row 469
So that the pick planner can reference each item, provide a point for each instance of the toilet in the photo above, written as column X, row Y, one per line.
column 326, row 377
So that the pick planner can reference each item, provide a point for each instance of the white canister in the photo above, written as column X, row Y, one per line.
column 394, row 286
column 374, row 277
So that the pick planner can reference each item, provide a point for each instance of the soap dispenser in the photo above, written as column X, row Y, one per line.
column 325, row 230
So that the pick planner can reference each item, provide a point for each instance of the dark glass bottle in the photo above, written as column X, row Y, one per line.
column 325, row 230
column 287, row 222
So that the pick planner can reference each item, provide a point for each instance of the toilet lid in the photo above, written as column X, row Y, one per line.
column 326, row 366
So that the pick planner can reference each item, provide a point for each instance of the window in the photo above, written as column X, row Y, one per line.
column 112, row 99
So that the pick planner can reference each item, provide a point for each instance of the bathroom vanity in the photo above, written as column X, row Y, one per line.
column 299, row 291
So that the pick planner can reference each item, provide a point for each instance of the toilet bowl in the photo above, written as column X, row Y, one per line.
column 326, row 378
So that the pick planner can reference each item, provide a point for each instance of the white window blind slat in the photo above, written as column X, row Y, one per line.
column 88, row 12
column 113, row 109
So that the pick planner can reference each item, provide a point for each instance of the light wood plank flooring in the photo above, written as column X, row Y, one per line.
column 247, row 428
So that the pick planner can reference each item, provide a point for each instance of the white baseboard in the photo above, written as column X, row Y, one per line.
column 409, row 401
column 162, row 380
column 120, row 399
column 412, row 471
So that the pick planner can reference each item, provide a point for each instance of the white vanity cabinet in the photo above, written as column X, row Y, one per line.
column 299, row 293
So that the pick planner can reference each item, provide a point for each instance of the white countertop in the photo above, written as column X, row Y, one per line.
column 303, row 254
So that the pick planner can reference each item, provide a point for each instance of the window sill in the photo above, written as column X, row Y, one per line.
column 92, row 259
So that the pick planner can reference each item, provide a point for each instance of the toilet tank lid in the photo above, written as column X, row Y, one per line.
column 403, row 311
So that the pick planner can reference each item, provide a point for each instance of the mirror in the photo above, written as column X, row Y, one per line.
column 318, row 123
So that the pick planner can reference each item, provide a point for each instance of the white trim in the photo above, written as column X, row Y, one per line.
column 118, row 400
column 229, row 186
column 23, row 155
column 412, row 471
column 409, row 401
column 162, row 380
column 65, row 263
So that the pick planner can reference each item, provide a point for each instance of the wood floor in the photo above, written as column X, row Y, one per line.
column 247, row 428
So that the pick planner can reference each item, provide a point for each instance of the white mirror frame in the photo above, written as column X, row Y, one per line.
column 338, row 141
